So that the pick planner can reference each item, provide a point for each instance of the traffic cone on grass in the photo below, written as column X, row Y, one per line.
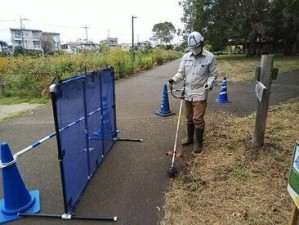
column 164, row 108
column 222, row 98
column 17, row 199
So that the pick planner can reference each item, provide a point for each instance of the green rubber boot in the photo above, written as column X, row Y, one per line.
column 190, row 135
column 199, row 140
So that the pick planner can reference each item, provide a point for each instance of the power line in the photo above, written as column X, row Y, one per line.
column 59, row 26
column 43, row 25
column 7, row 20
column 55, row 25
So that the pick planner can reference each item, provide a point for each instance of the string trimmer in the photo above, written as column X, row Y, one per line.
column 172, row 171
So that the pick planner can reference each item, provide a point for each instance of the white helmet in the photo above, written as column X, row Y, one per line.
column 195, row 40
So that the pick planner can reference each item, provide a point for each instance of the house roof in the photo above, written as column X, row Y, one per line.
column 18, row 29
column 52, row 33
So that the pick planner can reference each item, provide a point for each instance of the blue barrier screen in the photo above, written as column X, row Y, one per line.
column 85, row 121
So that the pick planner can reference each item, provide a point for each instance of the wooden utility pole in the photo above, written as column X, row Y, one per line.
column 264, row 75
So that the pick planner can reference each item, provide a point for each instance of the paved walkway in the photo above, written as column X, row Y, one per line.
column 132, row 181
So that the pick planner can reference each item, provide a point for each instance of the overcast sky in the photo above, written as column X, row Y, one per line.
column 102, row 17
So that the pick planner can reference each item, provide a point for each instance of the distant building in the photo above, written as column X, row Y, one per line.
column 70, row 47
column 78, row 46
column 31, row 39
column 112, row 41
column 87, row 45
column 26, row 38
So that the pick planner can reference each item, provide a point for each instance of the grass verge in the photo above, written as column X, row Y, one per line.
column 240, row 67
column 17, row 100
column 233, row 183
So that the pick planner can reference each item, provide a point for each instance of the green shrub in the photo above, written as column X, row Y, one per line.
column 30, row 76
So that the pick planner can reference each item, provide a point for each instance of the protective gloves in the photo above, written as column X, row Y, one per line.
column 171, row 81
column 209, row 87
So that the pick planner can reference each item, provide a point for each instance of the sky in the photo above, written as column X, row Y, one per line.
column 111, row 18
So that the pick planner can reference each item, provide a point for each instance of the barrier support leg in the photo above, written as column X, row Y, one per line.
column 127, row 139
column 69, row 217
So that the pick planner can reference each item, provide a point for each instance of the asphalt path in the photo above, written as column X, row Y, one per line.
column 132, row 181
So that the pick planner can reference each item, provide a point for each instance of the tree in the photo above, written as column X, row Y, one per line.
column 221, row 20
column 47, row 43
column 163, row 32
column 285, row 24
column 251, row 22
column 209, row 18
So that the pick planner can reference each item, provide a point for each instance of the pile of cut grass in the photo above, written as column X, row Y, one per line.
column 232, row 182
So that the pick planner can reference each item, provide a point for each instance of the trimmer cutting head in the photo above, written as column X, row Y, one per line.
column 172, row 172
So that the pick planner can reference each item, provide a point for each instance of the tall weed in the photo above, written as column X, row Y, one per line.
column 28, row 76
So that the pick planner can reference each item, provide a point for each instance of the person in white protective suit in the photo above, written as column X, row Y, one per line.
column 198, row 70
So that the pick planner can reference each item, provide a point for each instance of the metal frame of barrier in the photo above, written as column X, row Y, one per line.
column 99, row 120
column 104, row 142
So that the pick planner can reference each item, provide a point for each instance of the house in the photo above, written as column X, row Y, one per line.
column 31, row 39
column 27, row 38
column 70, row 47
column 112, row 41
column 87, row 45
column 78, row 46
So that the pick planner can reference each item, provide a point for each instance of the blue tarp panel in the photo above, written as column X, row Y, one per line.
column 85, row 118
